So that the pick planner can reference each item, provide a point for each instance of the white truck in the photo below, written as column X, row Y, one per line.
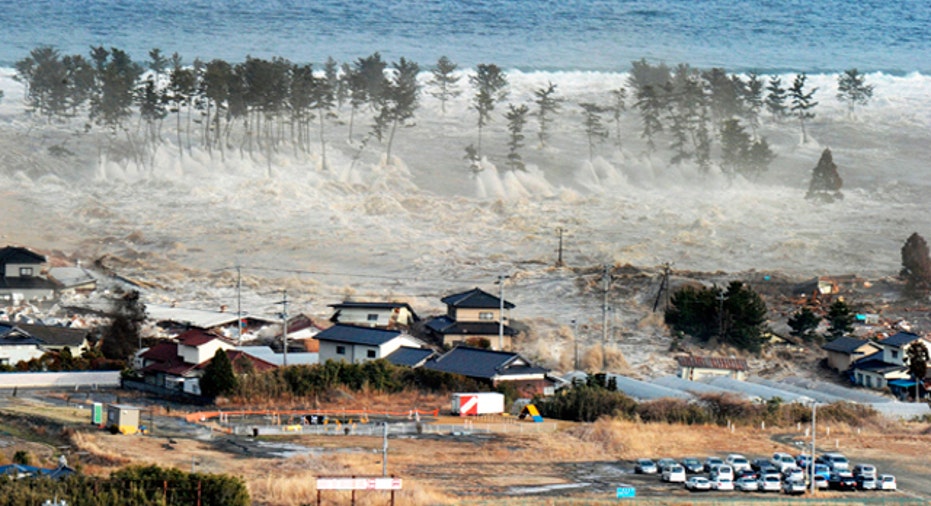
column 478, row 403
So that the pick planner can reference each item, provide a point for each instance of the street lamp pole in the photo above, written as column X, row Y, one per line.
column 812, row 468
column 501, row 279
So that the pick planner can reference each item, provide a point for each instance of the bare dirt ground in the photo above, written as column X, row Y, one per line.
column 579, row 461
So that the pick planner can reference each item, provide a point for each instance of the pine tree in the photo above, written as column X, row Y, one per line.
column 916, row 265
column 916, row 358
column 490, row 85
column 547, row 104
column 617, row 109
column 852, row 88
column 802, row 102
column 402, row 96
column 517, row 118
column 724, row 94
column 803, row 324
column 735, row 146
column 445, row 81
column 825, row 182
column 841, row 319
column 753, row 100
column 650, row 106
column 595, row 129
column 776, row 98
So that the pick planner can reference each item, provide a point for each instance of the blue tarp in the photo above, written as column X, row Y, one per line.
column 902, row 383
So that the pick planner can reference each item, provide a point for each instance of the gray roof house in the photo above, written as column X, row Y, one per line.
column 471, row 317
column 386, row 315
column 360, row 344
column 494, row 367
column 22, row 275
column 410, row 357
column 844, row 351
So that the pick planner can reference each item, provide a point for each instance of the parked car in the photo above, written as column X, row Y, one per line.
column 753, row 475
column 842, row 480
column 645, row 466
column 737, row 462
column 886, row 482
column 747, row 484
column 662, row 464
column 722, row 470
column 865, row 470
column 866, row 483
column 698, row 483
column 782, row 461
column 793, row 487
column 793, row 473
column 711, row 462
column 822, row 470
column 760, row 464
column 803, row 460
column 692, row 465
column 722, row 483
column 674, row 474
column 835, row 461
column 770, row 483
column 821, row 482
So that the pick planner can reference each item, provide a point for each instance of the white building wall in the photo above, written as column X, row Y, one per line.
column 12, row 355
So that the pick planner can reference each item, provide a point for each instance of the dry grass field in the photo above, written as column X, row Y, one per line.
column 585, row 462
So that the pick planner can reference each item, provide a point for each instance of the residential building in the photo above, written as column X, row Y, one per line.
column 844, row 351
column 889, row 364
column 385, row 315
column 495, row 368
column 410, row 357
column 355, row 345
column 22, row 275
column 694, row 368
column 474, row 318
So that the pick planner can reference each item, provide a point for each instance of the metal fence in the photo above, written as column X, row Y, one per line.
column 405, row 428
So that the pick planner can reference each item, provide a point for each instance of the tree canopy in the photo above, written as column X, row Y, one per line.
column 735, row 316
column 916, row 265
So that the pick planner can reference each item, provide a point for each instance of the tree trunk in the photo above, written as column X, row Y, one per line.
column 323, row 164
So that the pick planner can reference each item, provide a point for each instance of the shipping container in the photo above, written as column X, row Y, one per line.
column 478, row 403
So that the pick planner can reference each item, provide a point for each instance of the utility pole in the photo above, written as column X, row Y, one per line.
column 500, row 282
column 384, row 452
column 575, row 341
column 721, row 298
column 559, row 262
column 604, row 320
column 813, row 426
column 239, row 305
column 284, row 326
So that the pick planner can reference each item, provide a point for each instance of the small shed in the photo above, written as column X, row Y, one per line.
column 124, row 418
column 694, row 368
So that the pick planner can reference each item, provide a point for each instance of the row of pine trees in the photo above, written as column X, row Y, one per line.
column 264, row 106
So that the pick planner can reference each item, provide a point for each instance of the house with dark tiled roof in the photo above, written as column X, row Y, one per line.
column 385, row 315
column 887, row 365
column 694, row 368
column 355, row 345
column 23, row 276
column 844, row 351
column 494, row 368
column 175, row 367
column 410, row 357
column 474, row 318
column 23, row 342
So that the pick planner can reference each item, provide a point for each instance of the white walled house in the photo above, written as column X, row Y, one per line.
column 895, row 347
column 195, row 346
column 386, row 315
column 694, row 368
column 355, row 345
column 22, row 275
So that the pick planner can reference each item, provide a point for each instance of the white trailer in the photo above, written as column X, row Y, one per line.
column 478, row 403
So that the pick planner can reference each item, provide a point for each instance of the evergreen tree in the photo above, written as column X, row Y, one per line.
column 841, row 319
column 181, row 86
column 703, row 139
column 595, row 129
column 803, row 324
column 802, row 102
column 744, row 316
column 45, row 77
column 758, row 158
column 916, row 358
column 121, row 337
column 401, row 98
column 218, row 378
column 617, row 108
column 331, row 75
column 825, row 182
column 650, row 105
column 547, row 104
column 517, row 118
column 445, row 82
column 218, row 75
column 490, row 85
column 852, row 88
column 724, row 94
column 753, row 101
column 642, row 75
column 735, row 146
column 776, row 96
column 916, row 265
column 736, row 316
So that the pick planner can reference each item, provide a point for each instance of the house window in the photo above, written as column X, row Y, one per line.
column 340, row 350
column 370, row 353
column 373, row 317
column 486, row 315
column 895, row 354
column 25, row 272
column 869, row 381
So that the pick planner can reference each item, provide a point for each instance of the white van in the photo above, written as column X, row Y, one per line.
column 835, row 461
